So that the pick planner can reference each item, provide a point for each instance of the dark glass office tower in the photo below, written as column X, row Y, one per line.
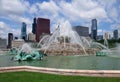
column 94, row 29
column 115, row 34
column 81, row 30
column 34, row 25
column 23, row 31
column 10, row 38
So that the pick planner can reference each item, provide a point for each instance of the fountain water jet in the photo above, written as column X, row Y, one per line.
column 65, row 41
column 26, row 53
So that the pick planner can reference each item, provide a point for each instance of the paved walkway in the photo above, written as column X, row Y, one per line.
column 100, row 73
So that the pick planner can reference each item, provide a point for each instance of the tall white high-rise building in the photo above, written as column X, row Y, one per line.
column 106, row 35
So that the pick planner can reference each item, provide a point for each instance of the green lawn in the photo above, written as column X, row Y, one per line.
column 42, row 77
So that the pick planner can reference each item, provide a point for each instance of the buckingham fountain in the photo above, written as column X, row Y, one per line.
column 64, row 49
column 64, row 41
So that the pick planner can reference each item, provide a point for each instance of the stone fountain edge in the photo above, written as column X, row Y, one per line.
column 98, row 73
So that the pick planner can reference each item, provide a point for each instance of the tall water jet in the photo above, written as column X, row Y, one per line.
column 106, row 42
column 65, row 41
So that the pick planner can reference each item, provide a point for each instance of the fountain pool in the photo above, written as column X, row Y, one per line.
column 67, row 62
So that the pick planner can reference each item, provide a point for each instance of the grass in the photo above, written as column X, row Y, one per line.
column 43, row 77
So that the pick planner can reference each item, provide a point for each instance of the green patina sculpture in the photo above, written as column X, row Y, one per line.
column 101, row 53
column 13, row 51
column 20, row 55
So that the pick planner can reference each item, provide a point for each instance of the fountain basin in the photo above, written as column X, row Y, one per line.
column 67, row 62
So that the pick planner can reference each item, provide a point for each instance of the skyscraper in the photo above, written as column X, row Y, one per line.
column 43, row 26
column 81, row 30
column 31, row 37
column 10, row 38
column 94, row 29
column 34, row 25
column 115, row 34
column 23, row 31
column 2, row 43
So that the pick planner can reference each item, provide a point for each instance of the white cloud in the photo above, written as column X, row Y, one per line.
column 14, row 10
column 107, row 3
column 5, row 29
column 113, row 14
column 50, row 7
column 85, row 9
column 12, row 7
column 33, row 9
column 20, row 19
column 76, row 10
column 111, row 7
column 3, row 25
column 100, row 30
column 115, row 26
column 84, row 4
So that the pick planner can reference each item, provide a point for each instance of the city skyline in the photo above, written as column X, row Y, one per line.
column 77, row 12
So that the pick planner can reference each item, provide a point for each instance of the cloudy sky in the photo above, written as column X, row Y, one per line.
column 77, row 12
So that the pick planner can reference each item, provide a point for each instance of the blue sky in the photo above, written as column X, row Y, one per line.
column 77, row 12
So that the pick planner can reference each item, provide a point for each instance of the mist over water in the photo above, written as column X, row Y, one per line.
column 26, row 48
